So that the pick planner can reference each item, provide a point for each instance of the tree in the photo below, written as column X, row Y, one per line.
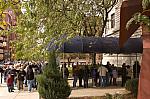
column 40, row 21
column 43, row 20
column 51, row 85
column 142, row 18
column 46, row 19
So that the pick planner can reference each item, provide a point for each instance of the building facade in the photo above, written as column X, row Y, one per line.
column 112, row 30
column 9, row 19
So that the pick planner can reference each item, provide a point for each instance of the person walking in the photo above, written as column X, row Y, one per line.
column 30, row 77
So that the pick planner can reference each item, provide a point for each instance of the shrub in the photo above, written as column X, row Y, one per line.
column 115, row 96
column 135, row 87
column 132, row 85
column 51, row 85
column 128, row 85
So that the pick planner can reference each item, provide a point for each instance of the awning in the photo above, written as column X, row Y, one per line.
column 98, row 45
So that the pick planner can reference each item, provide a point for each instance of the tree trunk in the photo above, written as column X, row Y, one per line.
column 144, row 80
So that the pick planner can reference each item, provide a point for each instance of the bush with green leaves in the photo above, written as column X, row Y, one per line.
column 114, row 96
column 140, row 18
column 132, row 85
column 128, row 85
column 51, row 85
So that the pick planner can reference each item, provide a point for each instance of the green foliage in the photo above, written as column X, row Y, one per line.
column 146, row 4
column 115, row 96
column 44, row 20
column 51, row 85
column 128, row 85
column 5, row 4
column 108, row 96
column 139, row 18
column 132, row 85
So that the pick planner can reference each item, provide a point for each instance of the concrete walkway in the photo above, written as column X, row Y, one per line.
column 4, row 94
column 78, row 92
column 96, row 91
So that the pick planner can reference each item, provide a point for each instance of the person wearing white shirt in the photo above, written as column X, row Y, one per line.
column 102, row 75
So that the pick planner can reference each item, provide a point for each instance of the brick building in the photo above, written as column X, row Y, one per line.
column 9, row 19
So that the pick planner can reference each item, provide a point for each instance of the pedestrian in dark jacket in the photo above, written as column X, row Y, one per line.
column 85, row 76
column 65, row 71
column 94, row 76
column 75, row 75
column 80, row 75
column 124, row 74
column 30, row 77
column 136, row 69
column 20, row 78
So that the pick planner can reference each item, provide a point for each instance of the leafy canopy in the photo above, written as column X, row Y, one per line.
column 43, row 20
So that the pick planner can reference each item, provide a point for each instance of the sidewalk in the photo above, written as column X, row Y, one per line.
column 96, row 91
column 79, row 92
column 4, row 94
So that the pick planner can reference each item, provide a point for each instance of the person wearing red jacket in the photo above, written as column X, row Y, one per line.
column 9, row 82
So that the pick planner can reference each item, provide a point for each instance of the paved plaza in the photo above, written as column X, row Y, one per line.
column 77, row 92
column 4, row 94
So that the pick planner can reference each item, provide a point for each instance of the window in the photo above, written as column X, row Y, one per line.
column 113, row 20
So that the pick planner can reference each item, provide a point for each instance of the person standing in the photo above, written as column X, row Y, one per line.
column 80, row 74
column 9, row 82
column 30, row 77
column 114, row 75
column 102, row 75
column 13, row 74
column 94, row 76
column 108, row 74
column 136, row 69
column 21, row 76
column 129, row 72
column 85, row 76
column 75, row 75
column 124, row 74
column 66, row 72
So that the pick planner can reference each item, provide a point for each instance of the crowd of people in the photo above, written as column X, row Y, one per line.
column 21, row 75
column 103, row 75
column 24, row 75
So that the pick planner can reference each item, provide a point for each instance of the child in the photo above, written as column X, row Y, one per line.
column 115, row 75
column 10, row 83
